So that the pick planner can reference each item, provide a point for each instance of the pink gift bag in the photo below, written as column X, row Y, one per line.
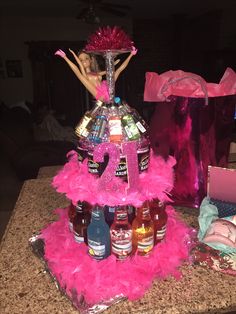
column 193, row 121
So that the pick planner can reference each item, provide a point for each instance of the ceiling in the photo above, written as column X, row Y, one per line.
column 139, row 8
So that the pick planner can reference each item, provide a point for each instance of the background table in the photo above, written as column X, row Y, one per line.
column 26, row 288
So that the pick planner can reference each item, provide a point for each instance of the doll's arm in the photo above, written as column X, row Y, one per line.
column 125, row 63
column 79, row 62
column 87, row 84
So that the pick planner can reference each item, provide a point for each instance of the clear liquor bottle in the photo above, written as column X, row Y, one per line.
column 129, row 125
column 143, row 230
column 115, row 126
column 139, row 121
column 159, row 217
column 99, row 126
column 83, row 128
column 98, row 232
column 121, row 234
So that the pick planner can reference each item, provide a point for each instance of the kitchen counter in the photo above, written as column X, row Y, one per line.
column 26, row 288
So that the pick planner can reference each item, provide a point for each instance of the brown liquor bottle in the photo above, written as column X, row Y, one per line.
column 81, row 222
column 159, row 217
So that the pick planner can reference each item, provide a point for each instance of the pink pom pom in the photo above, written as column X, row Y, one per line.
column 102, row 92
column 109, row 38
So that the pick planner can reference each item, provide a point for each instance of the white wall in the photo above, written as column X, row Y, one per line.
column 15, row 31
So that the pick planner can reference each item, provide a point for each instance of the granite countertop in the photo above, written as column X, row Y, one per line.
column 48, row 171
column 26, row 288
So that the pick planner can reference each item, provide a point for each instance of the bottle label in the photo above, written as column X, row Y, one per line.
column 121, row 170
column 111, row 209
column 130, row 127
column 82, row 153
column 84, row 133
column 145, row 245
column 160, row 234
column 143, row 159
column 146, row 212
column 102, row 128
column 82, row 125
column 122, row 215
column 79, row 207
column 121, row 243
column 141, row 127
column 115, row 127
column 128, row 132
column 98, row 129
column 78, row 238
column 93, row 167
column 97, row 250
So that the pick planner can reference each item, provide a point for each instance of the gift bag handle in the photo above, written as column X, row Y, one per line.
column 201, row 82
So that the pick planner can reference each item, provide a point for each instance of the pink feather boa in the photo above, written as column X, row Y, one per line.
column 97, row 281
column 102, row 92
column 77, row 183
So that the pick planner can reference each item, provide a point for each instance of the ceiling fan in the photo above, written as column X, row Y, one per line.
column 89, row 14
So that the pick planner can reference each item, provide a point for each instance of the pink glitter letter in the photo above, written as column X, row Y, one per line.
column 130, row 150
column 114, row 158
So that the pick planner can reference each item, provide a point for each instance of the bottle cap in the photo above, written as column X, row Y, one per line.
column 117, row 100
column 99, row 103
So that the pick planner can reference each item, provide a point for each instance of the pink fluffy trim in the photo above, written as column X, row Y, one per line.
column 97, row 281
column 102, row 92
column 77, row 183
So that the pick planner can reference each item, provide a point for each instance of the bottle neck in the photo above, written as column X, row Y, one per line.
column 96, row 108
column 121, row 215
column 97, row 215
column 144, row 211
column 79, row 207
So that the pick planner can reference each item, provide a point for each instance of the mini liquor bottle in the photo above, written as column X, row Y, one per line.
column 98, row 232
column 139, row 121
column 143, row 230
column 81, row 222
column 127, row 121
column 129, row 125
column 99, row 126
column 159, row 217
column 121, row 234
column 115, row 127
column 83, row 128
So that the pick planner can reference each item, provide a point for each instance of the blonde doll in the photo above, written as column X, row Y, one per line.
column 88, row 72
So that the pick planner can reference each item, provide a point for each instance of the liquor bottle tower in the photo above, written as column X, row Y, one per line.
column 104, row 186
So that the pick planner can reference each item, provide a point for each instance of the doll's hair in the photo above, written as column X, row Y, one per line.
column 94, row 63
